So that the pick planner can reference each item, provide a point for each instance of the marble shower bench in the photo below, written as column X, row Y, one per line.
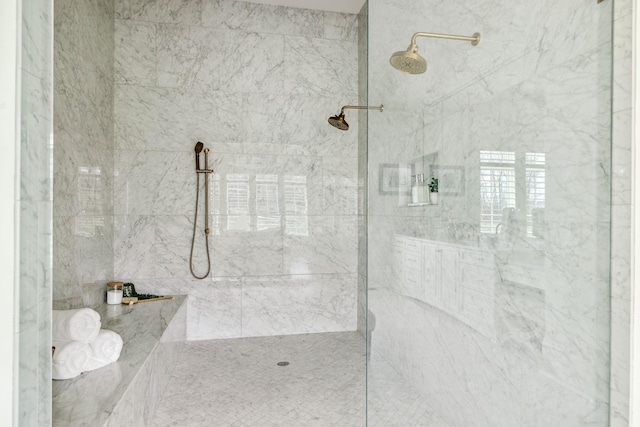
column 126, row 392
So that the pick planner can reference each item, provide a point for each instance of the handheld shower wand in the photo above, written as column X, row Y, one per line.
column 198, row 148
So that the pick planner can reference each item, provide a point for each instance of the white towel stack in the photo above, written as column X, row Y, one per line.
column 70, row 359
column 105, row 349
column 80, row 343
column 75, row 325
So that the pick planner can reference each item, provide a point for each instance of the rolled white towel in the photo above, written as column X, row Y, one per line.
column 105, row 349
column 75, row 325
column 70, row 359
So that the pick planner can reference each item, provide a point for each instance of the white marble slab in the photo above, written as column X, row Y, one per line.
column 239, row 15
column 320, row 244
column 135, row 66
column 256, row 84
column 298, row 304
column 93, row 397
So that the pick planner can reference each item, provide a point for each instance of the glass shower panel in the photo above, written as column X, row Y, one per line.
column 32, row 399
column 491, row 307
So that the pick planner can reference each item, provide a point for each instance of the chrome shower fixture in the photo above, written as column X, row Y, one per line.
column 409, row 61
column 339, row 122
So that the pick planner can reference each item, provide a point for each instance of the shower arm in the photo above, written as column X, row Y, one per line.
column 474, row 39
column 361, row 107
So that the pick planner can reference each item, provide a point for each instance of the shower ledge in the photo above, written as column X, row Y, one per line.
column 126, row 392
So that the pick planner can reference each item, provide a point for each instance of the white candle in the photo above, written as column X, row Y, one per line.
column 114, row 296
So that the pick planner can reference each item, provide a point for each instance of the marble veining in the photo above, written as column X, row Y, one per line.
column 340, row 185
column 522, row 319
column 33, row 206
column 239, row 15
column 162, row 119
column 341, row 26
column 256, row 84
column 317, row 66
column 298, row 304
column 135, row 66
column 501, row 61
column 363, row 182
column 621, row 211
column 321, row 244
column 323, row 385
column 169, row 11
column 94, row 396
column 83, row 157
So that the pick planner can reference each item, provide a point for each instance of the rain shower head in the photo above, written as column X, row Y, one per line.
column 339, row 122
column 409, row 61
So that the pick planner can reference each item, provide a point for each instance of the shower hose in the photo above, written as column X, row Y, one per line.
column 195, row 223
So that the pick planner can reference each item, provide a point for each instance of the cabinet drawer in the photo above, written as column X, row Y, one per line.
column 481, row 259
column 478, row 279
column 413, row 285
column 412, row 245
column 412, row 261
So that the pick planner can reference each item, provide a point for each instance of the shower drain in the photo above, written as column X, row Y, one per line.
column 283, row 363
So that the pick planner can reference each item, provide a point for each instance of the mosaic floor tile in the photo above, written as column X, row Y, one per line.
column 238, row 382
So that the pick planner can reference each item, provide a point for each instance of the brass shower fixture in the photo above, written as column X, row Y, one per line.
column 339, row 122
column 411, row 62
column 206, row 171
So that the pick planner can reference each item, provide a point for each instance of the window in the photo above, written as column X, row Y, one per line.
column 90, row 199
column 535, row 187
column 296, row 205
column 497, row 187
column 238, row 201
column 511, row 180
column 267, row 207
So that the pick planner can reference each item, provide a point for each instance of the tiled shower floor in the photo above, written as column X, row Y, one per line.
column 237, row 382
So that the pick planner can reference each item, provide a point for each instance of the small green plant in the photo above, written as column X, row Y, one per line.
column 433, row 185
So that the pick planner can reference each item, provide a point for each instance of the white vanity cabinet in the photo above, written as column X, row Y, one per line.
column 459, row 280
column 431, row 268
column 412, row 269
column 449, row 278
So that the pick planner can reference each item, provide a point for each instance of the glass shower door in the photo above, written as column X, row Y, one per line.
column 490, row 307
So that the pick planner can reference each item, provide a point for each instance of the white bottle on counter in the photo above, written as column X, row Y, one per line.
column 415, row 196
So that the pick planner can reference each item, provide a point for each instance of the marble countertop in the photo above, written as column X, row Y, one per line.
column 90, row 398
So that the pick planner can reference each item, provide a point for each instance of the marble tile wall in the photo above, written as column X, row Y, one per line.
column 33, row 325
column 621, row 213
column 256, row 84
column 362, row 167
column 537, row 83
column 126, row 392
column 83, row 152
